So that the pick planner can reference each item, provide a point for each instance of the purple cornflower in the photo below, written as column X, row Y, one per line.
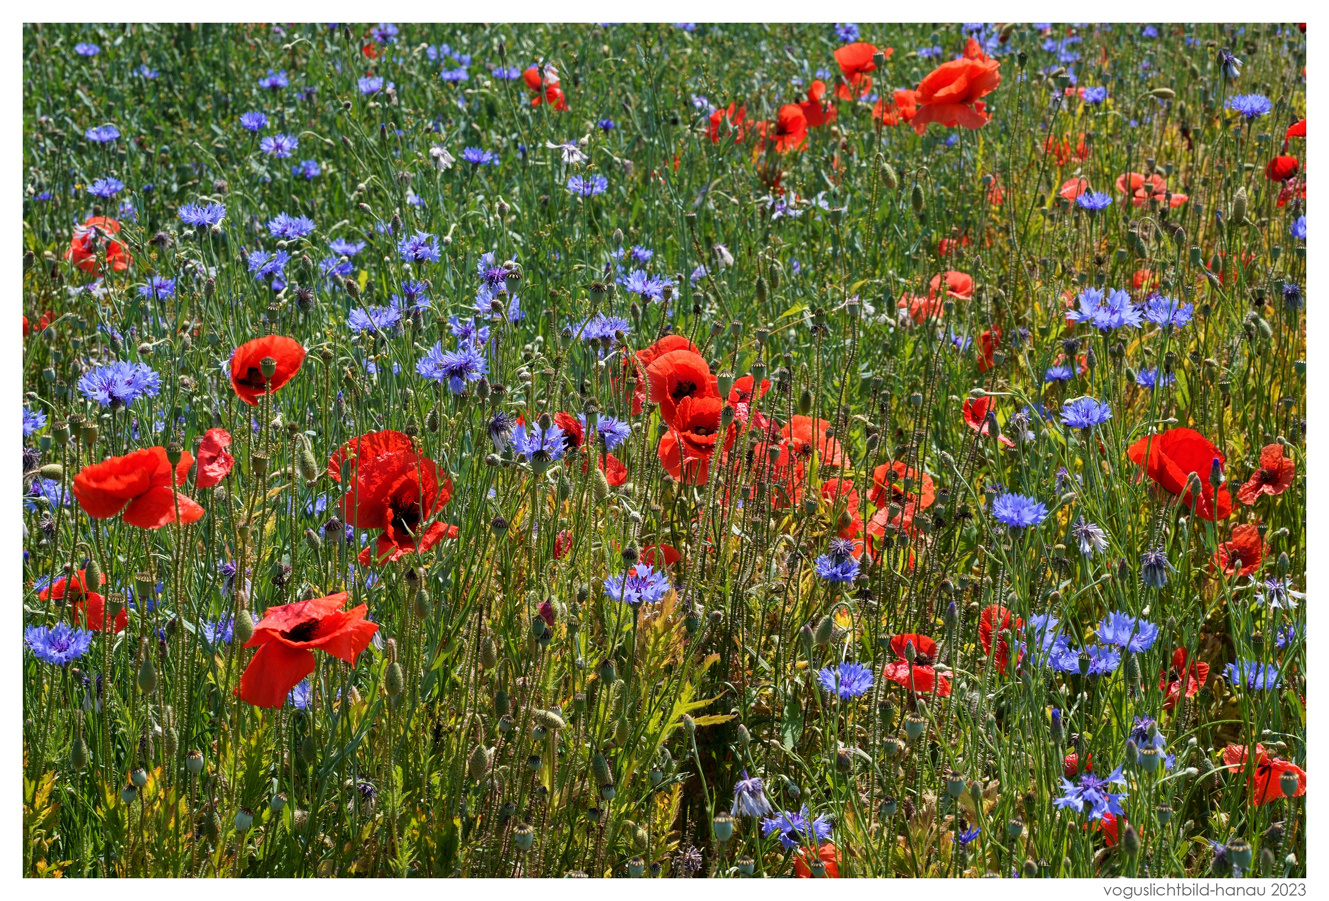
column 343, row 248
column 638, row 585
column 1091, row 538
column 280, row 146
column 587, row 187
column 549, row 443
column 1018, row 511
column 290, row 227
column 846, row 32
column 83, row 48
column 59, row 644
column 373, row 319
column 157, row 287
column 500, row 430
column 1085, row 413
column 455, row 367
column 796, row 829
column 749, row 798
column 1277, row 593
column 106, row 187
column 848, row 680
column 253, row 121
column 102, row 134
column 1253, row 674
column 274, row 80
column 478, row 157
column 418, row 248
column 1154, row 567
column 1092, row 796
column 605, row 125
column 33, row 421
column 308, row 169
column 1093, row 201
column 201, row 215
column 1167, row 311
column 601, row 326
column 1135, row 634
column 1250, row 106
column 119, row 384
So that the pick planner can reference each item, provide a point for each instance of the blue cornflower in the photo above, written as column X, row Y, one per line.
column 290, row 227
column 418, row 248
column 837, row 568
column 506, row 73
column 605, row 125
column 848, row 680
column 1288, row 635
column 1250, row 106
column 637, row 585
column 456, row 367
column 1231, row 65
column 685, row 26
column 59, row 644
column 274, row 80
column 846, row 32
column 466, row 331
column 373, row 319
column 106, row 187
column 1091, row 796
column 1094, row 201
column 1105, row 312
column 477, row 157
column 500, row 430
column 698, row 274
column 1141, row 727
column 48, row 490
column 119, row 384
column 270, row 266
column 456, row 75
column 1085, row 413
column 280, row 146
column 967, row 836
column 1094, row 95
column 146, row 71
column 343, row 248
column 587, row 187
column 308, row 169
column 601, row 326
column 1059, row 373
column 102, row 134
column 300, row 695
column 83, row 48
column 335, row 266
column 1275, row 592
column 414, row 292
column 549, row 442
column 1018, row 511
column 795, row 829
column 1149, row 32
column 648, row 287
column 1298, row 229
column 1154, row 568
column 1153, row 378
column 1292, row 296
column 1090, row 536
column 640, row 254
column 370, row 84
column 1136, row 635
column 1253, row 674
column 385, row 33
column 33, row 421
column 201, row 215
column 613, row 431
column 749, row 798
column 1167, row 311
column 157, row 287
column 218, row 632
column 253, row 121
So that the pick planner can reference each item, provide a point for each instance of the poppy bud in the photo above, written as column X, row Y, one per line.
column 548, row 719
column 147, row 672
column 394, row 680
column 916, row 200
column 825, row 629
column 1130, row 840
column 805, row 402
column 478, row 765
column 78, row 753
column 760, row 289
column 243, row 630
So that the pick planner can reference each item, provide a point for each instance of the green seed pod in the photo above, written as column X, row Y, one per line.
column 600, row 768
column 53, row 471
column 641, row 838
column 170, row 741
column 523, row 836
column 805, row 402
column 760, row 289
column 607, row 673
column 147, row 672
column 308, row 750
column 212, row 826
column 431, row 421
column 1163, row 93
column 622, row 731
column 502, row 705
column 478, row 766
column 564, row 487
column 313, row 540
column 394, row 680
column 774, row 275
column 423, row 607
column 194, row 761
column 889, row 178
column 78, row 754
column 92, row 574
column 243, row 820
column 244, row 627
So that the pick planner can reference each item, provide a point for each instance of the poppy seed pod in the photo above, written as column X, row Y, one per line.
column 523, row 836
column 548, row 719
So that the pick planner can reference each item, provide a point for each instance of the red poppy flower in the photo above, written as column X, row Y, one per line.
column 790, row 129
column 247, row 366
column 1293, row 189
column 855, row 62
column 370, row 51
column 737, row 118
column 1274, row 476
column 987, row 342
column 660, row 555
column 948, row 246
column 959, row 285
column 918, row 676
column 974, row 50
column 921, row 309
column 1109, row 825
column 828, row 854
column 676, row 375
column 1072, row 188
column 902, row 107
column 798, row 435
column 949, row 94
column 546, row 90
column 1070, row 766
column 286, row 638
column 88, row 607
column 1243, row 553
column 1281, row 168
column 1170, row 458
column 646, row 357
column 214, row 460
column 1296, row 130
column 995, row 619
column 1145, row 280
column 816, row 109
column 685, row 450
column 922, row 492
column 841, row 493
column 95, row 235
column 394, row 488
column 140, row 484
column 1142, row 189
column 976, row 410
column 1170, row 681
column 1267, row 781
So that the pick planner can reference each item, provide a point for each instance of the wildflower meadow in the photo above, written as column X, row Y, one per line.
column 664, row 450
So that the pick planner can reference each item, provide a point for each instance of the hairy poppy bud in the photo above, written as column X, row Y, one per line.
column 394, row 680
column 243, row 630
column 760, row 289
column 147, row 672
column 478, row 765
column 1239, row 202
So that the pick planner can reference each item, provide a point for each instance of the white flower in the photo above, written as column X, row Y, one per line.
column 442, row 158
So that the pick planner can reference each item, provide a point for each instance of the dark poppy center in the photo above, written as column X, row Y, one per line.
column 303, row 631
column 923, row 660
column 253, row 378
column 683, row 389
column 405, row 518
